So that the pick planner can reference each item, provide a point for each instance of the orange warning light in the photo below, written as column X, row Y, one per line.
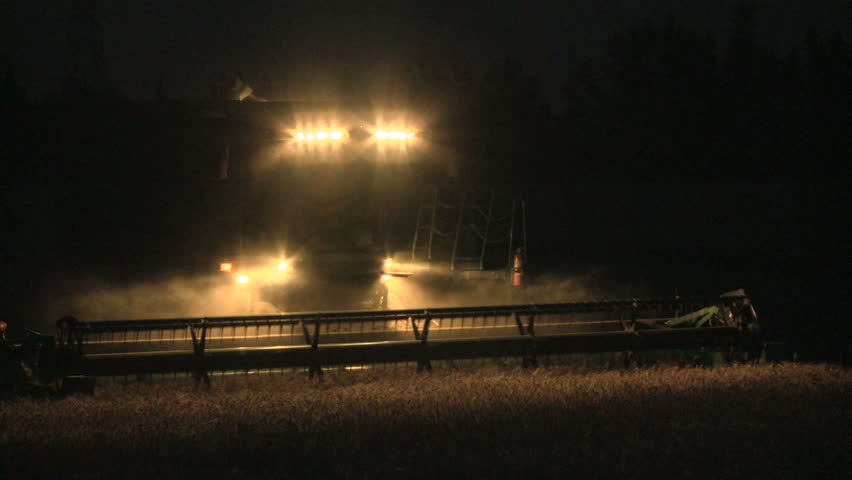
column 225, row 267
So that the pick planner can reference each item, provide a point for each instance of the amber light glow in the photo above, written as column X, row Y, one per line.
column 394, row 135
column 320, row 135
column 225, row 267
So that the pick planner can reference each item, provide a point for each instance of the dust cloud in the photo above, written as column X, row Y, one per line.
column 94, row 299
column 432, row 290
column 177, row 297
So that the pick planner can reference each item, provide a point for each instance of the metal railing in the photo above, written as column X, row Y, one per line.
column 313, row 339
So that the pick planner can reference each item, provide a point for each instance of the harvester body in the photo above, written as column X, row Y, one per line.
column 322, row 191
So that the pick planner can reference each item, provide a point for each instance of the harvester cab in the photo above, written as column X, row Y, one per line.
column 329, row 192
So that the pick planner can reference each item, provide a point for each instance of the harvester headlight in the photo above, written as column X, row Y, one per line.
column 386, row 277
column 388, row 262
column 310, row 135
column 283, row 265
column 226, row 266
column 394, row 135
column 243, row 279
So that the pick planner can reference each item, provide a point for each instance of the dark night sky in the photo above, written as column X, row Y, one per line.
column 283, row 46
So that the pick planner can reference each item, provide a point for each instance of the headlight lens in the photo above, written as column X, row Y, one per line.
column 394, row 135
column 310, row 135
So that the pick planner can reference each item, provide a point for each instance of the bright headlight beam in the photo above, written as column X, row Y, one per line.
column 243, row 279
column 394, row 135
column 311, row 135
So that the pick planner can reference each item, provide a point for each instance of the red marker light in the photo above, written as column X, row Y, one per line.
column 225, row 267
column 3, row 326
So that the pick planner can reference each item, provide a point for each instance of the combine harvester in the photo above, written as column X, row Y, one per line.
column 313, row 341
column 295, row 178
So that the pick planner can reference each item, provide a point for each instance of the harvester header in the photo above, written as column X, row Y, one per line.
column 314, row 340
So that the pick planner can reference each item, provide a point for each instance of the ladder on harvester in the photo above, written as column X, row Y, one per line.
column 475, row 222
column 428, row 216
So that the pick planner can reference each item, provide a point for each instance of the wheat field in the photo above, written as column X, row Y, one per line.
column 770, row 421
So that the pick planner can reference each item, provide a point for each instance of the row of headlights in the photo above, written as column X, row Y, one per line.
column 243, row 278
column 284, row 267
column 394, row 135
column 340, row 134
column 319, row 135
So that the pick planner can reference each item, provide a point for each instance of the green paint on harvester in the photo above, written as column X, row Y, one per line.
column 696, row 318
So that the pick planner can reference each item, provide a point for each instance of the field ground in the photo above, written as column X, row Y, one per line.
column 773, row 421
